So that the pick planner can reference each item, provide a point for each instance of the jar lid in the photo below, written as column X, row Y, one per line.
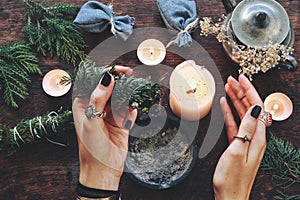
column 257, row 23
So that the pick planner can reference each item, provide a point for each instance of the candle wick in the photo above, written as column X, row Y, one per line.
column 151, row 50
column 191, row 91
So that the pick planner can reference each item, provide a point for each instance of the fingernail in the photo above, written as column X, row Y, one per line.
column 106, row 79
column 128, row 124
column 256, row 111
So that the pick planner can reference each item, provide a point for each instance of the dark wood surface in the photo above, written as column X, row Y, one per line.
column 47, row 171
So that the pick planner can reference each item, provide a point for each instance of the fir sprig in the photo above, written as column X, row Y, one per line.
column 128, row 91
column 17, row 63
column 32, row 130
column 282, row 162
column 51, row 30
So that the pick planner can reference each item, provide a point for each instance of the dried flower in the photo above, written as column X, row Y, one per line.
column 251, row 60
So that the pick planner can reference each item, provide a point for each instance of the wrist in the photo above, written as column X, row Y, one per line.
column 100, row 177
column 225, row 194
column 99, row 180
column 87, row 193
column 218, row 197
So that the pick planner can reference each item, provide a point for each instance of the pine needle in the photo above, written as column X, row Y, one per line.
column 127, row 91
column 52, row 32
column 282, row 162
column 17, row 63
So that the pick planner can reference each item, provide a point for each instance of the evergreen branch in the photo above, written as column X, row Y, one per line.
column 128, row 91
column 282, row 162
column 51, row 30
column 32, row 130
column 17, row 63
column 131, row 91
column 64, row 9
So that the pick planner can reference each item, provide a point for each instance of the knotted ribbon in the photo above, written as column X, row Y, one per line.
column 95, row 17
column 179, row 15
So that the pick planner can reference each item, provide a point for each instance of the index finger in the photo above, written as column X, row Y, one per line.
column 249, row 90
column 122, row 69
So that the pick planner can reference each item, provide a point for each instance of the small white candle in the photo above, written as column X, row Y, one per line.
column 52, row 83
column 279, row 105
column 151, row 52
column 192, row 89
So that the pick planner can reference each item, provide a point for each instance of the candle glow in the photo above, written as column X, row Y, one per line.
column 151, row 52
column 279, row 105
column 192, row 90
column 52, row 83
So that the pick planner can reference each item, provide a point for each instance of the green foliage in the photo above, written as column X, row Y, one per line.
column 51, row 30
column 17, row 63
column 32, row 130
column 282, row 162
column 132, row 90
column 127, row 90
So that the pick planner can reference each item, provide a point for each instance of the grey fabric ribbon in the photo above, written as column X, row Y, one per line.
column 96, row 17
column 179, row 15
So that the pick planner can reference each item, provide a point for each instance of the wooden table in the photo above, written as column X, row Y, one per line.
column 47, row 171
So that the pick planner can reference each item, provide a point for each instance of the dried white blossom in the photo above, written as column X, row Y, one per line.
column 251, row 60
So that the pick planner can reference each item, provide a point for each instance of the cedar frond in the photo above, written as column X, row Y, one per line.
column 52, row 32
column 17, row 63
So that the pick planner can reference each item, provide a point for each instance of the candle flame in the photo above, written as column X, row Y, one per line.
column 275, row 107
column 58, row 83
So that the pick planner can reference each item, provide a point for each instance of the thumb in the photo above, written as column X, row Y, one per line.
column 102, row 92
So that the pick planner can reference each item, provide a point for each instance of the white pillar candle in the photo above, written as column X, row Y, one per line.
column 279, row 105
column 192, row 90
column 151, row 52
column 51, row 83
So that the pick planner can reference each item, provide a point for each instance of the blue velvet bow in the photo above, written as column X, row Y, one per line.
column 96, row 17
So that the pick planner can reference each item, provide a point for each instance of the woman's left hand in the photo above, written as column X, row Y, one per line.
column 238, row 166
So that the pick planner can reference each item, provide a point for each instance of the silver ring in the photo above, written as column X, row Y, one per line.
column 90, row 113
column 266, row 118
column 245, row 138
column 241, row 99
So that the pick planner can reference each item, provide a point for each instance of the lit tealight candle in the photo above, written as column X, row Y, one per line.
column 52, row 83
column 279, row 105
column 192, row 90
column 151, row 52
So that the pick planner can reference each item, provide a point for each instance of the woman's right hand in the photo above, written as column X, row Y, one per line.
column 103, row 142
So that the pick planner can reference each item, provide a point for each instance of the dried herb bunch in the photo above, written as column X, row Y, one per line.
column 51, row 30
column 128, row 91
column 32, row 130
column 17, row 63
column 251, row 60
